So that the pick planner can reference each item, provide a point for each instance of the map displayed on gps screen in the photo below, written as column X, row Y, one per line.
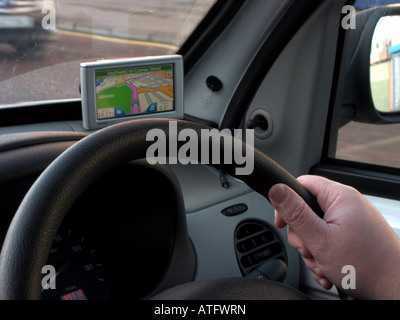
column 135, row 90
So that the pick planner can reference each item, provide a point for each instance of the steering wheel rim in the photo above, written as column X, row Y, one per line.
column 44, row 207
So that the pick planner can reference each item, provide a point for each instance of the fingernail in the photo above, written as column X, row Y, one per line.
column 277, row 194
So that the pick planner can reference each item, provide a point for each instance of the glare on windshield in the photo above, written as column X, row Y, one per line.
column 43, row 42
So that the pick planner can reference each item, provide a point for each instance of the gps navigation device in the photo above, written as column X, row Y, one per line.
column 124, row 89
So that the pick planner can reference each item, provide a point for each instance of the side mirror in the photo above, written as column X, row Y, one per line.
column 372, row 81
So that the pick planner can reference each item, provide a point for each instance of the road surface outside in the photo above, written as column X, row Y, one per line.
column 88, row 30
column 368, row 143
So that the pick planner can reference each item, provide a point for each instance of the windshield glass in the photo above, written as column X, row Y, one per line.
column 43, row 42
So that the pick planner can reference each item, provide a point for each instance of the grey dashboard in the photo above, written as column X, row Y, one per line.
column 223, row 216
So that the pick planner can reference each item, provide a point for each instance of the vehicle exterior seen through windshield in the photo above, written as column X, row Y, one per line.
column 21, row 24
column 43, row 42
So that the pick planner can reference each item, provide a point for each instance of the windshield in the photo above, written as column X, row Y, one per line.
column 43, row 42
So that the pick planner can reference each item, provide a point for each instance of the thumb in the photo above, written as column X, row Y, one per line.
column 293, row 210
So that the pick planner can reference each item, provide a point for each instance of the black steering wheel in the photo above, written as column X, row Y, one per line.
column 32, row 231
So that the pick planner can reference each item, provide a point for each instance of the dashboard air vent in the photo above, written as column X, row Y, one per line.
column 256, row 243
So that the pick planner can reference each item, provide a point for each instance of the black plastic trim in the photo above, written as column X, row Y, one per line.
column 201, row 121
column 334, row 119
column 63, row 110
column 373, row 183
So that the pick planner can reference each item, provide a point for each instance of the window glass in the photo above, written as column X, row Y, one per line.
column 377, row 144
column 370, row 143
column 385, row 54
column 42, row 42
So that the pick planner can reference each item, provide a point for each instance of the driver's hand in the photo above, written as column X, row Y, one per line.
column 353, row 232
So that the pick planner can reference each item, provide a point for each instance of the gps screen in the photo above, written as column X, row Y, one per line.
column 136, row 90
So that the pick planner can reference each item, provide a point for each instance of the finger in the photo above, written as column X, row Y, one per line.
column 297, row 214
column 323, row 282
column 321, row 188
column 279, row 223
column 311, row 264
column 297, row 243
column 316, row 273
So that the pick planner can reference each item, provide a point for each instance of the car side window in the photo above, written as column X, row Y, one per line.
column 369, row 130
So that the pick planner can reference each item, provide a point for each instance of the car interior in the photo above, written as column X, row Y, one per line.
column 313, row 81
